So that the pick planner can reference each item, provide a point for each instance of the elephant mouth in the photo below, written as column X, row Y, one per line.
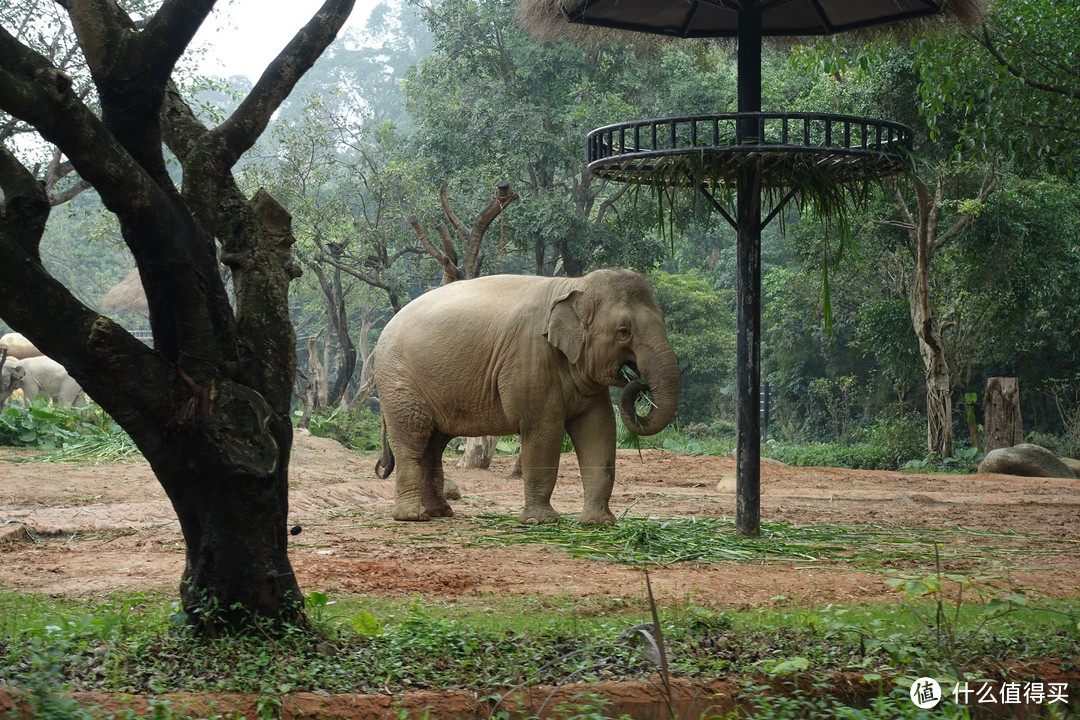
column 637, row 388
column 627, row 373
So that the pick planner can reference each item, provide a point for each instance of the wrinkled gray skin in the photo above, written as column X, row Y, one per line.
column 11, row 374
column 535, row 356
column 40, row 376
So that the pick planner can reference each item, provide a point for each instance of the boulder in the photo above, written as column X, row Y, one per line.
column 1073, row 464
column 1027, row 460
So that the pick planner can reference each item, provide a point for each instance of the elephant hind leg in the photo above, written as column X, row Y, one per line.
column 433, row 479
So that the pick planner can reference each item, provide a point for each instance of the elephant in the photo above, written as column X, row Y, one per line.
column 18, row 346
column 41, row 375
column 505, row 354
column 11, row 375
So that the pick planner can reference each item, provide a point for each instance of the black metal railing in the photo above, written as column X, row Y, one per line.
column 799, row 151
column 789, row 132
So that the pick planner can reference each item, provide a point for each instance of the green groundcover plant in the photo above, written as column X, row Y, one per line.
column 136, row 644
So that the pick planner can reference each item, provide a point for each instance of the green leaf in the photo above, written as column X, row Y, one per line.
column 364, row 623
column 790, row 666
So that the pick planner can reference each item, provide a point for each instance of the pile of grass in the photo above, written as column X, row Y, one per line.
column 81, row 435
column 649, row 541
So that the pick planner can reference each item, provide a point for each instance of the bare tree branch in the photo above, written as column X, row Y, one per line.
column 451, row 271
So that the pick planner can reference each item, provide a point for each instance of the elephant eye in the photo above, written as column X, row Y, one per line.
column 622, row 333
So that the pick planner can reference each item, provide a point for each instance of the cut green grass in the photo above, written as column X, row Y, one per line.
column 647, row 541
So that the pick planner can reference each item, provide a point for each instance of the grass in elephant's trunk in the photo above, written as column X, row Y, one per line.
column 642, row 401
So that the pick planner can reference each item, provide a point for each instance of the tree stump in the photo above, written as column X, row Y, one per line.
column 1002, row 423
column 478, row 452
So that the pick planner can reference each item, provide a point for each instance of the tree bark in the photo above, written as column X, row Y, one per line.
column 478, row 452
column 939, row 428
column 1002, row 423
column 209, row 405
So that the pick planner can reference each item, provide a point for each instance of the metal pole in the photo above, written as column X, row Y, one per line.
column 748, row 285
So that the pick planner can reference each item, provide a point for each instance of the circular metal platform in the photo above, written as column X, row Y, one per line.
column 792, row 150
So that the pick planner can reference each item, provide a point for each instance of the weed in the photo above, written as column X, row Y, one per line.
column 945, row 622
column 359, row 430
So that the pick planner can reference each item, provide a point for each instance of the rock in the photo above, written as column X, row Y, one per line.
column 1027, row 460
column 726, row 484
column 1072, row 464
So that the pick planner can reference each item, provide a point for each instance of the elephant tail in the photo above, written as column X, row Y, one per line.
column 384, row 465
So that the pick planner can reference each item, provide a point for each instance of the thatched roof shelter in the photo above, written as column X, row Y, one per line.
column 748, row 151
column 581, row 19
column 128, row 294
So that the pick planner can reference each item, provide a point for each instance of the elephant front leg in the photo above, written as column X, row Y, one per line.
column 539, row 469
column 593, row 435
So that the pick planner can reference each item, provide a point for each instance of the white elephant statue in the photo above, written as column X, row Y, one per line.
column 530, row 355
column 40, row 376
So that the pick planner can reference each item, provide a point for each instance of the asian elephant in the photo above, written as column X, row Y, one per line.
column 11, row 375
column 535, row 356
column 43, row 376
column 18, row 346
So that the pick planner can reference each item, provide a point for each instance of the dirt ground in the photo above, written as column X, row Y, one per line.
column 83, row 531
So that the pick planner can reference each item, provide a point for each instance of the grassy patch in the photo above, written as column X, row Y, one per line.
column 647, row 541
column 359, row 644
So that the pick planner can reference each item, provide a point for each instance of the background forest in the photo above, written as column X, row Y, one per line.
column 444, row 139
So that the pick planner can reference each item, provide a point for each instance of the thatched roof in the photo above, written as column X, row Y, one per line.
column 610, row 19
column 128, row 294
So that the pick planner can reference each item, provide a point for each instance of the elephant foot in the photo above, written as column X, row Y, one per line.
column 450, row 490
column 440, row 510
column 539, row 515
column 596, row 517
column 410, row 511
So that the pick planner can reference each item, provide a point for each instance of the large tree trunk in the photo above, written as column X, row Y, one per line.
column 939, row 427
column 209, row 405
column 227, row 478
column 478, row 452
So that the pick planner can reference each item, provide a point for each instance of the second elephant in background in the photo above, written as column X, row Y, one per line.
column 42, row 375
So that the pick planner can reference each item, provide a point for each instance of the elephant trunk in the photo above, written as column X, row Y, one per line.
column 659, row 371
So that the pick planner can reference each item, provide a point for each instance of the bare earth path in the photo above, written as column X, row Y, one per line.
column 71, row 530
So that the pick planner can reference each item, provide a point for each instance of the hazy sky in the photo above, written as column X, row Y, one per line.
column 245, row 35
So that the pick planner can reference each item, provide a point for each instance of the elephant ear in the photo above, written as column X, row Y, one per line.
column 565, row 328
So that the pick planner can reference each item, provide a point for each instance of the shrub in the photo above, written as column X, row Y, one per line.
column 899, row 438
column 357, row 430
column 888, row 444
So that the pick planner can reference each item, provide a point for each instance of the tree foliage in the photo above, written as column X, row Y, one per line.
column 451, row 98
